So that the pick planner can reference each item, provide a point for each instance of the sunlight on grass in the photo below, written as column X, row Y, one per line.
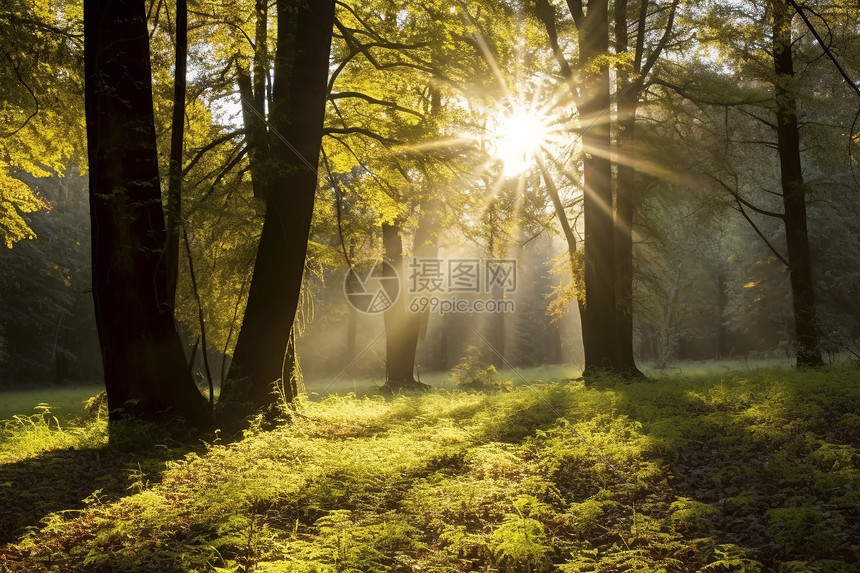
column 747, row 472
column 25, row 436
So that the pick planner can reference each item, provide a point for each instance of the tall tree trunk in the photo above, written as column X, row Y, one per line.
column 591, row 93
column 298, row 109
column 624, row 213
column 495, row 334
column 144, row 365
column 401, row 327
column 722, row 343
column 495, row 323
column 252, row 91
column 625, row 188
column 177, row 137
column 426, row 246
column 598, row 324
column 794, row 193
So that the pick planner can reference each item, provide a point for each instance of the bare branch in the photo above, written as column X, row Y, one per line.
column 754, row 116
column 213, row 20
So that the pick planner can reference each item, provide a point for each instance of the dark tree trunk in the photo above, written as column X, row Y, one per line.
column 426, row 245
column 252, row 91
column 598, row 323
column 496, row 332
column 177, row 137
column 298, row 108
column 625, row 189
column 444, row 362
column 401, row 327
column 628, row 89
column 722, row 346
column 606, row 315
column 794, row 193
column 144, row 365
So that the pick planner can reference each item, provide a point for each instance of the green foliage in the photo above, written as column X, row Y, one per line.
column 471, row 374
column 25, row 436
column 41, row 99
column 520, row 542
column 736, row 473
column 689, row 514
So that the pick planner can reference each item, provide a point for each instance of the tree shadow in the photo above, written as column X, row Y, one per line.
column 775, row 461
column 70, row 479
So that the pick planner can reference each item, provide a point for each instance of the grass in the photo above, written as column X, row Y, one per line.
column 746, row 471
column 66, row 402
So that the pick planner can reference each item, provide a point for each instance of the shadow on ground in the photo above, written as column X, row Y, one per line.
column 69, row 479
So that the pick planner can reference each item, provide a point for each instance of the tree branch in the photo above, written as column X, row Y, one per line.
column 687, row 95
column 14, row 19
column 361, row 131
column 743, row 201
column 206, row 148
column 545, row 12
column 359, row 95
column 661, row 45
column 754, row 116
column 758, row 231
column 30, row 91
column 575, row 7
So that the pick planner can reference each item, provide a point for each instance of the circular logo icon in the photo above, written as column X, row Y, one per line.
column 371, row 286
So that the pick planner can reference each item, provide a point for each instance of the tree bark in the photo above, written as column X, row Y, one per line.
column 401, row 327
column 177, row 137
column 625, row 189
column 794, row 193
column 144, row 365
column 598, row 323
column 624, row 213
column 252, row 91
column 298, row 109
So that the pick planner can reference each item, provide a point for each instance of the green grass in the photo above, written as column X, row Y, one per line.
column 747, row 471
column 367, row 386
column 66, row 402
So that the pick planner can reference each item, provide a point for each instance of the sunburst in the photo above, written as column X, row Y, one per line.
column 520, row 132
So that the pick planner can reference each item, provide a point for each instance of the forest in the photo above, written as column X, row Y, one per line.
column 503, row 286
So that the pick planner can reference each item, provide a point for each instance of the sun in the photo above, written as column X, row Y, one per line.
column 519, row 133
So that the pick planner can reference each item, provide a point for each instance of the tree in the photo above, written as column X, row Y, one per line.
column 793, row 191
column 296, row 127
column 607, row 309
column 38, row 125
column 632, row 81
column 173, row 205
column 144, row 365
column 389, row 103
column 770, row 59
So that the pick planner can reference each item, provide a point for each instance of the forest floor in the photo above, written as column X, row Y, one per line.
column 736, row 471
